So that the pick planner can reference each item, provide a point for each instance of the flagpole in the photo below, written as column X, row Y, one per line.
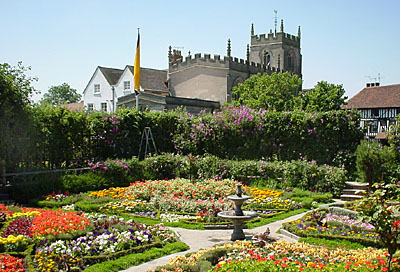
column 136, row 73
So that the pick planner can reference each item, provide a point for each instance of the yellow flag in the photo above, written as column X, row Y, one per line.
column 136, row 67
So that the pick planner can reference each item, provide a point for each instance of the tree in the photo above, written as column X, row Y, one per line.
column 16, row 130
column 272, row 92
column 323, row 97
column 58, row 95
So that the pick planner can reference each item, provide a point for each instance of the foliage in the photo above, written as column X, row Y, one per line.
column 374, row 162
column 323, row 97
column 332, row 244
column 62, row 94
column 381, row 209
column 137, row 258
column 17, row 132
column 271, row 92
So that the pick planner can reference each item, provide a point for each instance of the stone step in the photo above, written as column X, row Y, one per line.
column 350, row 197
column 354, row 192
column 356, row 185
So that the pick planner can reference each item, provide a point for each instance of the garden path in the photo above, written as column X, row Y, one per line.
column 198, row 239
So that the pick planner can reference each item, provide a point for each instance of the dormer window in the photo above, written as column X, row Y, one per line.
column 96, row 88
column 127, row 85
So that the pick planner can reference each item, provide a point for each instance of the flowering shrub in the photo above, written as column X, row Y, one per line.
column 381, row 209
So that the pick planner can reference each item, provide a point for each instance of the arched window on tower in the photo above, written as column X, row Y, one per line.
column 235, row 83
column 267, row 59
column 290, row 61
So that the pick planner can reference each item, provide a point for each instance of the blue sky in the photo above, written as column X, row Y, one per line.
column 343, row 42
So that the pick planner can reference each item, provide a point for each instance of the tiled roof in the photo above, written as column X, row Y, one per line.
column 74, row 106
column 111, row 74
column 152, row 79
column 376, row 97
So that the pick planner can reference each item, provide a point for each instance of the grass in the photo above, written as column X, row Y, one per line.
column 332, row 244
column 137, row 258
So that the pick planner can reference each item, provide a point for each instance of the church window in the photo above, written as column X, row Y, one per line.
column 267, row 58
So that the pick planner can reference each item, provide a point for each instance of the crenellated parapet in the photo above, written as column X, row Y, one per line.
column 285, row 38
column 205, row 60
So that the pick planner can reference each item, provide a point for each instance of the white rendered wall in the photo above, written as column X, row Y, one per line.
column 105, row 95
column 126, row 76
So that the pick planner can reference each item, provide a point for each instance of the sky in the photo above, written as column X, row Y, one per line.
column 348, row 42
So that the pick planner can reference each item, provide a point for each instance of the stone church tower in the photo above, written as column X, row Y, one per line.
column 279, row 50
column 207, row 77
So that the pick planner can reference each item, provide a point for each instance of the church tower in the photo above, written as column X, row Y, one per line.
column 277, row 49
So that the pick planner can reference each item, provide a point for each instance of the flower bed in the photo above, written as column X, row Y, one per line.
column 180, row 200
column 112, row 237
column 280, row 256
column 321, row 224
column 10, row 263
column 56, row 240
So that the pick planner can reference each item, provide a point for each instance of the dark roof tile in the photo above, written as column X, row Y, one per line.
column 152, row 79
column 112, row 75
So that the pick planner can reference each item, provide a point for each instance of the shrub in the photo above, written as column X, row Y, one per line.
column 35, row 187
column 374, row 163
column 85, row 182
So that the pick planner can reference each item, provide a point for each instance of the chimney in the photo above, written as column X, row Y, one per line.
column 372, row 84
column 368, row 85
column 377, row 84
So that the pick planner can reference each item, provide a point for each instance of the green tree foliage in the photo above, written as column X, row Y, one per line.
column 278, row 92
column 272, row 92
column 58, row 95
column 374, row 162
column 323, row 97
column 15, row 125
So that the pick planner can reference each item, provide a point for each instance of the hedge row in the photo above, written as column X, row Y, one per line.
column 306, row 175
column 66, row 138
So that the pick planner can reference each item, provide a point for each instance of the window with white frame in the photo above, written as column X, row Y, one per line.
column 104, row 107
column 127, row 85
column 90, row 107
column 96, row 88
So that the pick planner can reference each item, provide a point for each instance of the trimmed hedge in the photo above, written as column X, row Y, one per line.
column 235, row 132
column 137, row 258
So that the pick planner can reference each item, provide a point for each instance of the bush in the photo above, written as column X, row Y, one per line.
column 35, row 187
column 85, row 182
column 374, row 163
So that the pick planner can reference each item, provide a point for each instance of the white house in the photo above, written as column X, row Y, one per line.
column 108, row 84
column 98, row 94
